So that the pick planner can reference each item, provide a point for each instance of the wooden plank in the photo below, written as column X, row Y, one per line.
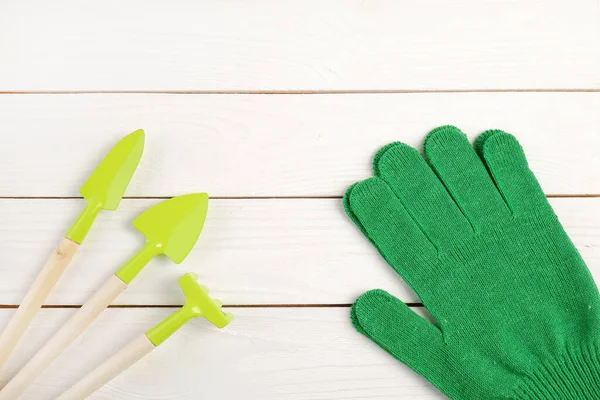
column 278, row 251
column 264, row 354
column 278, row 145
column 290, row 45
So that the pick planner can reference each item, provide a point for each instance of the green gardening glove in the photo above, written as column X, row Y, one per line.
column 470, row 230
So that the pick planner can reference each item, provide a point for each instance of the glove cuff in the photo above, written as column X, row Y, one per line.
column 573, row 376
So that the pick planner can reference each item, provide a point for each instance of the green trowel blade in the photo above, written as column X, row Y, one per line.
column 108, row 182
column 173, row 226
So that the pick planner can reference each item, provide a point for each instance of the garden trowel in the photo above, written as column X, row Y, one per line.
column 102, row 191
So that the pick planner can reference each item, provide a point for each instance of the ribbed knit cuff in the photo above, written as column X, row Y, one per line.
column 574, row 376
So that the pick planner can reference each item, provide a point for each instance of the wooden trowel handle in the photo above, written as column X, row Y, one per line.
column 63, row 338
column 112, row 367
column 35, row 297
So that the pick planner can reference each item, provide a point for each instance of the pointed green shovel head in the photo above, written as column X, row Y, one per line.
column 171, row 227
column 104, row 188
column 106, row 185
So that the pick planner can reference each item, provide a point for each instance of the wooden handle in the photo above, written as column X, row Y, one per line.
column 63, row 338
column 35, row 297
column 112, row 367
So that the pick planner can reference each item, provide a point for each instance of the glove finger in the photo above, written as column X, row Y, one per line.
column 405, row 335
column 382, row 218
column 508, row 166
column 465, row 176
column 422, row 193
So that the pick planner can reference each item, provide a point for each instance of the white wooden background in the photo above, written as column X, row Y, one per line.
column 273, row 107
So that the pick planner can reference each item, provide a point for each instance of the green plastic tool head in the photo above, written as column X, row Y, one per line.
column 105, row 186
column 197, row 304
column 108, row 182
column 173, row 226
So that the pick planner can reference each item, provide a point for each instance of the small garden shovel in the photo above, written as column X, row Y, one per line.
column 197, row 304
column 172, row 228
column 102, row 191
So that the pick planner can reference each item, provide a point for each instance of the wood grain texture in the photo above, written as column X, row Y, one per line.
column 253, row 251
column 35, row 296
column 68, row 332
column 290, row 45
column 109, row 369
column 531, row 68
column 278, row 145
column 264, row 354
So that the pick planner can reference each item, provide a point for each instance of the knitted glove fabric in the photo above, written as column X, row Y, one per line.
column 470, row 230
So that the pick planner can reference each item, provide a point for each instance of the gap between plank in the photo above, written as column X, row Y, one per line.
column 333, row 305
column 302, row 92
column 550, row 196
column 168, row 197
